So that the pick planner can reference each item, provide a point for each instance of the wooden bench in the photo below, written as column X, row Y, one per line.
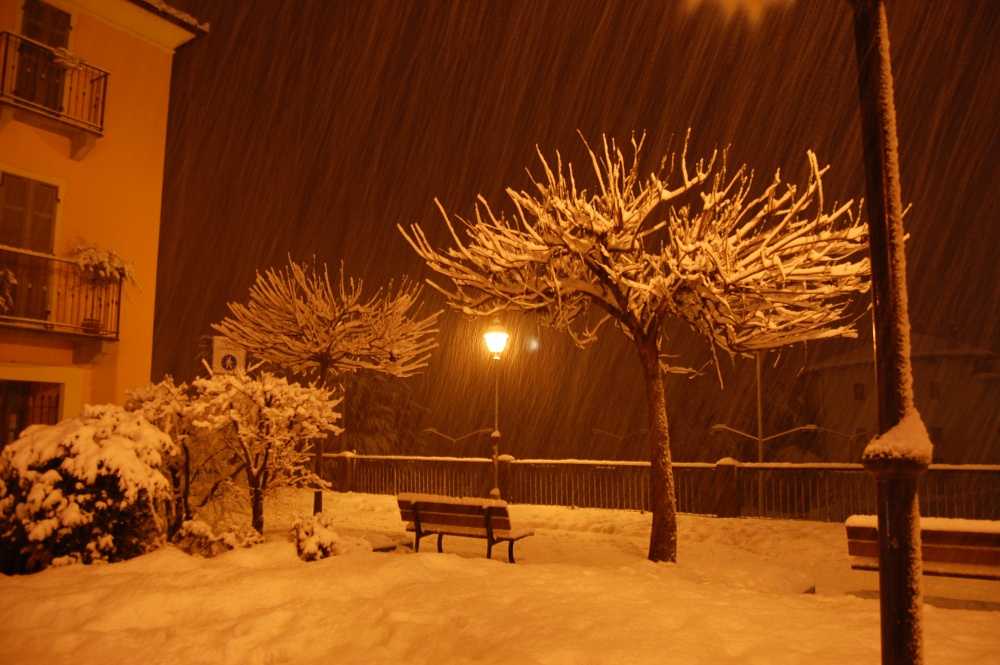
column 949, row 547
column 428, row 514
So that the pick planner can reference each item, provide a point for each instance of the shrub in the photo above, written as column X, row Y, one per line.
column 197, row 539
column 86, row 490
column 314, row 539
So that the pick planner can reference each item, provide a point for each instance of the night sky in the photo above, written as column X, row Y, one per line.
column 312, row 128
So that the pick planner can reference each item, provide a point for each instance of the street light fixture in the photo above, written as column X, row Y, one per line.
column 496, row 342
column 496, row 339
column 760, row 441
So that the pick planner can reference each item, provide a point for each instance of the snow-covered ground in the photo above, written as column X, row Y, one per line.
column 581, row 592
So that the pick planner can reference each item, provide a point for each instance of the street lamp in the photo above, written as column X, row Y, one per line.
column 759, row 439
column 496, row 342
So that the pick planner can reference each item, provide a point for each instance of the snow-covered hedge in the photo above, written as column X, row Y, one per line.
column 88, row 489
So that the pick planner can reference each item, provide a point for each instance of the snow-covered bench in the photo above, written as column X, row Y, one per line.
column 950, row 547
column 428, row 514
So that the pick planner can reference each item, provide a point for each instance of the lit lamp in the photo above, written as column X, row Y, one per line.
column 496, row 339
column 496, row 342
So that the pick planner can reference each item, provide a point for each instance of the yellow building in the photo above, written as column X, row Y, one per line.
column 84, row 91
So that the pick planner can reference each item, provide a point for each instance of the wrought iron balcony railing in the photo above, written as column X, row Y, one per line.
column 51, row 82
column 45, row 292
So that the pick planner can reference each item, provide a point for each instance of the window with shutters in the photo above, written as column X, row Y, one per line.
column 40, row 78
column 24, row 403
column 27, row 221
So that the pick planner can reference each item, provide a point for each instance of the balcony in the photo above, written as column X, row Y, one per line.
column 52, row 89
column 49, row 293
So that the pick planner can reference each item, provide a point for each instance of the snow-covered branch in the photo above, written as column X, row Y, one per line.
column 747, row 272
column 297, row 319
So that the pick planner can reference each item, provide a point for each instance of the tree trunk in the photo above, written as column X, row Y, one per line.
column 318, row 470
column 663, row 538
column 257, row 509
column 322, row 371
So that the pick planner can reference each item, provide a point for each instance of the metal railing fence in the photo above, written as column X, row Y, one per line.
column 52, row 82
column 51, row 293
column 820, row 492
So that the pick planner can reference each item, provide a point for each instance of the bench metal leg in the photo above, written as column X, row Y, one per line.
column 510, row 552
column 440, row 538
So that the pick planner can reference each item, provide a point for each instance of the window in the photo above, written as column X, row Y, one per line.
column 27, row 221
column 40, row 78
column 24, row 403
column 46, row 24
column 27, row 213
column 859, row 392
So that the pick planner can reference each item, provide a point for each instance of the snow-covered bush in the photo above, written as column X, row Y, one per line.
column 197, row 539
column 88, row 489
column 167, row 406
column 315, row 539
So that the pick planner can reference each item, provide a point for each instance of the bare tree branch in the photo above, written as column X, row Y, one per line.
column 295, row 318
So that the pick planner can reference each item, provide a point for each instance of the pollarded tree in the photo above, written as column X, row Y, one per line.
column 746, row 272
column 263, row 421
column 295, row 318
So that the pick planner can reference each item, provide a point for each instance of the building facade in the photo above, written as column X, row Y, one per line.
column 956, row 389
column 84, row 92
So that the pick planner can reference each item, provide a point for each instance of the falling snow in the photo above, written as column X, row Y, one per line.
column 446, row 100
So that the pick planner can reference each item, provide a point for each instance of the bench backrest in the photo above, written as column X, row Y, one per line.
column 965, row 547
column 443, row 511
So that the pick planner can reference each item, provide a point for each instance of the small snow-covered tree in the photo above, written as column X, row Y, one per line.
column 87, row 489
column 297, row 319
column 747, row 272
column 268, row 424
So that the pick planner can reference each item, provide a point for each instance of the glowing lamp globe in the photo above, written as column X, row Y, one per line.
column 496, row 339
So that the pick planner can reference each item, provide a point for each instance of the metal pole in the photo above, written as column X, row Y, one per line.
column 495, row 436
column 760, row 442
column 900, row 591
column 760, row 417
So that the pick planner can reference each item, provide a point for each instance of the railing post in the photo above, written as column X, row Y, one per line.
column 505, row 474
column 343, row 471
column 725, row 482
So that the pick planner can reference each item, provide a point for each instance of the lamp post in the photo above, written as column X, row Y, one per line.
column 760, row 438
column 896, row 474
column 496, row 342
